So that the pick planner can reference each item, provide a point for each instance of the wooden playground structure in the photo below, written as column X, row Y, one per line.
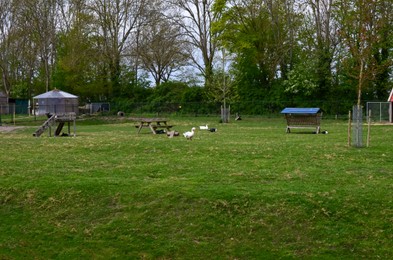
column 60, row 120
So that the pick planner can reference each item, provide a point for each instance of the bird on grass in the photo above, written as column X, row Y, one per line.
column 204, row 127
column 189, row 134
column 171, row 134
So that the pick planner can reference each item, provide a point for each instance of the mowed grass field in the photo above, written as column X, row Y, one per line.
column 248, row 191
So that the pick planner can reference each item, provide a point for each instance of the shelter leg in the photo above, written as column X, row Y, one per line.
column 74, row 128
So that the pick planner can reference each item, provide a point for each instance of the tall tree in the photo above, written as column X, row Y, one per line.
column 196, row 18
column 164, row 49
column 116, row 21
column 382, row 52
column 360, row 31
column 222, row 89
column 78, row 61
column 261, row 34
column 38, row 18
column 324, row 30
column 6, row 31
column 70, row 12
column 285, row 24
column 311, row 75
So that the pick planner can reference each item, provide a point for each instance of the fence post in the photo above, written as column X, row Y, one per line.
column 349, row 128
column 369, row 128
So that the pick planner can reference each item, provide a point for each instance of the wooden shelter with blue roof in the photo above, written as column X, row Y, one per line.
column 303, row 118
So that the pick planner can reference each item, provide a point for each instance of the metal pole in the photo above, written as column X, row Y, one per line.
column 380, row 112
column 349, row 128
column 14, row 114
column 369, row 128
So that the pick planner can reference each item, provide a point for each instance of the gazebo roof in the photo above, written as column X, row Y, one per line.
column 55, row 94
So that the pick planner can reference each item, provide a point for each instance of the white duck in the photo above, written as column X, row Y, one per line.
column 189, row 134
column 203, row 127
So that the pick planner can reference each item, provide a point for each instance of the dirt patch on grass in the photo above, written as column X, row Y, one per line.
column 382, row 123
column 8, row 129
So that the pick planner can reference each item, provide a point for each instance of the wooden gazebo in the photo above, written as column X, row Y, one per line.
column 60, row 107
column 55, row 102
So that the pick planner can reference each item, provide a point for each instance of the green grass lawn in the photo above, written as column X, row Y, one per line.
column 248, row 191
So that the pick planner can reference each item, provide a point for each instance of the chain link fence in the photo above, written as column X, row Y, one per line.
column 379, row 111
column 336, row 110
column 269, row 108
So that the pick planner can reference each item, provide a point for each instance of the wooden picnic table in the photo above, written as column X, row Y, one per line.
column 152, row 123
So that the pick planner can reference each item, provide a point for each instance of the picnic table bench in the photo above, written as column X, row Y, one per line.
column 302, row 118
column 152, row 123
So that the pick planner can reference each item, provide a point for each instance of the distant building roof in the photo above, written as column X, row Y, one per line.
column 390, row 99
column 55, row 94
column 301, row 110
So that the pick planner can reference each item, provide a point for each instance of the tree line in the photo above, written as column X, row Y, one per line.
column 273, row 52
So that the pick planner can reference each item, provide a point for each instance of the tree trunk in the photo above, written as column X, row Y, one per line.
column 360, row 84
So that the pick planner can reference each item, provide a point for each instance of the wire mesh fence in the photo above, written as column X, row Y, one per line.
column 380, row 111
column 330, row 108
column 337, row 110
column 357, row 121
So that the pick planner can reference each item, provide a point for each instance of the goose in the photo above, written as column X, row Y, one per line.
column 189, row 134
column 171, row 134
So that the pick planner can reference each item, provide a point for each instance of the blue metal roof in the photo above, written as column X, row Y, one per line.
column 301, row 110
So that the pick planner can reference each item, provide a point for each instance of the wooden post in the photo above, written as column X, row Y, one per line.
column 14, row 114
column 74, row 127
column 369, row 128
column 349, row 129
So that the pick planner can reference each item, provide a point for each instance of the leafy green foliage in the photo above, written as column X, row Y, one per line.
column 258, row 34
column 169, row 92
column 301, row 80
column 222, row 88
column 77, row 65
